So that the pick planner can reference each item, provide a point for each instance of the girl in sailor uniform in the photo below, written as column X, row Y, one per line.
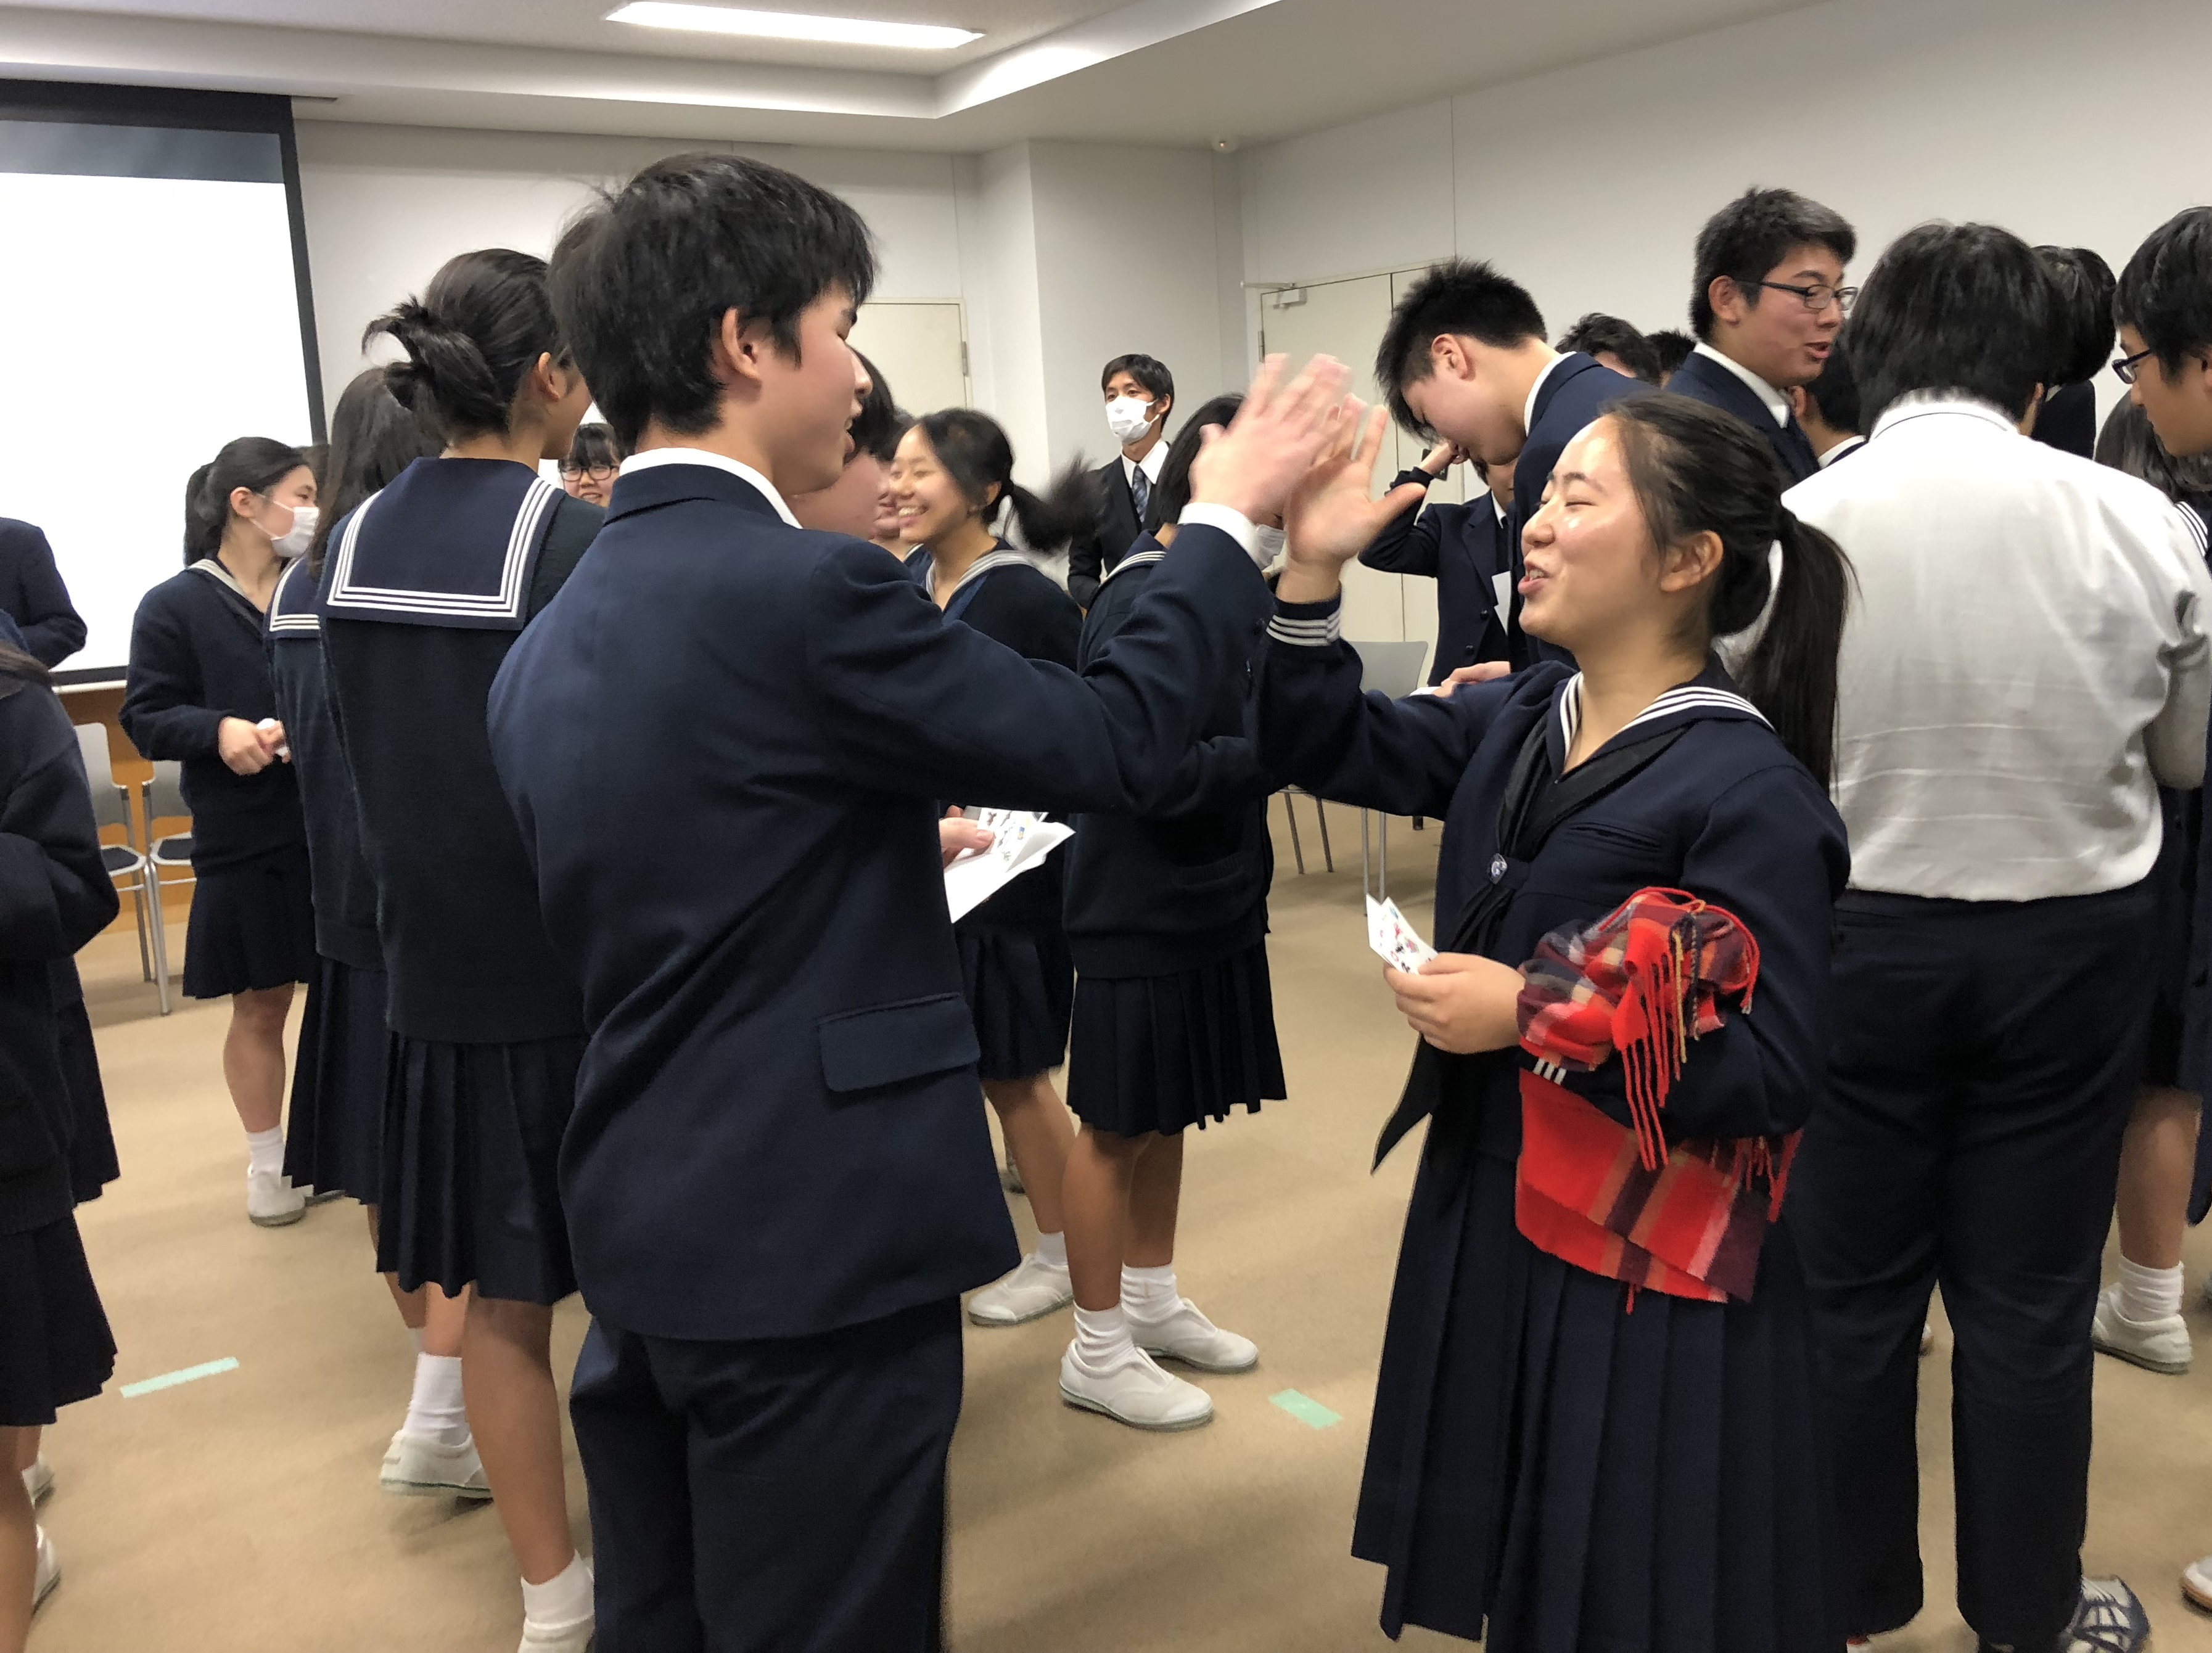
column 1174, row 1025
column 953, row 477
column 427, row 586
column 199, row 691
column 1595, row 1427
column 337, row 1143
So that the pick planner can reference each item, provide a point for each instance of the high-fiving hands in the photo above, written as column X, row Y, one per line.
column 1330, row 520
column 1274, row 440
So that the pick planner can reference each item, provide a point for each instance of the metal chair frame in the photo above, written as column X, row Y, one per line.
column 111, row 807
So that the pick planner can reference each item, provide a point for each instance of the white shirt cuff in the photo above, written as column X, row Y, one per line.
column 1238, row 526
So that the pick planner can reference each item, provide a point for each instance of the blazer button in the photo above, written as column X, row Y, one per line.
column 1497, row 868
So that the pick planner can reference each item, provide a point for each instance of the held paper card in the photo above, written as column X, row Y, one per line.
column 1021, row 843
column 1394, row 940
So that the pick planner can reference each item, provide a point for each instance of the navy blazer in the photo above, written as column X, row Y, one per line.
column 33, row 595
column 1703, row 379
column 1463, row 548
column 721, row 741
column 1572, row 393
column 2067, row 420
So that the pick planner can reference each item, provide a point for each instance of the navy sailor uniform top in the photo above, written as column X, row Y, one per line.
column 723, row 740
column 344, row 893
column 33, row 595
column 1465, row 549
column 425, row 589
column 197, row 657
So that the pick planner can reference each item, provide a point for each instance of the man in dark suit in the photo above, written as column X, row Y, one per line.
column 777, row 1180
column 1765, row 303
column 1464, row 357
column 33, row 595
column 1140, row 394
column 1462, row 548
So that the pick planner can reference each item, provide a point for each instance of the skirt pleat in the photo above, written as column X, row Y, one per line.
column 93, row 1163
column 471, row 1191
column 55, row 1347
column 334, row 1139
column 1020, row 986
column 253, row 927
column 1159, row 1053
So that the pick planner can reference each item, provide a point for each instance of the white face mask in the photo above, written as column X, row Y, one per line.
column 1266, row 545
column 294, row 541
column 1127, row 418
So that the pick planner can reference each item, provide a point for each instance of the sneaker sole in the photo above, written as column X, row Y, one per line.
column 2195, row 1597
column 284, row 1221
column 1021, row 1319
column 1199, row 1365
column 323, row 1196
column 424, row 1489
column 53, row 1583
column 1084, row 1403
column 2164, row 1368
column 40, row 1492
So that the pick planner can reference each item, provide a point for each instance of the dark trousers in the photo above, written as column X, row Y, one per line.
column 1986, row 1058
column 784, row 1495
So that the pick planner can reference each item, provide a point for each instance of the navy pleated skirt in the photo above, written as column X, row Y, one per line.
column 1570, row 1469
column 470, row 1188
column 1020, row 986
column 334, row 1140
column 55, row 1347
column 1158, row 1053
column 93, row 1163
column 253, row 927
column 2166, row 1059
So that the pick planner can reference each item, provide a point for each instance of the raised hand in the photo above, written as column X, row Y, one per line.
column 1330, row 520
column 1274, row 440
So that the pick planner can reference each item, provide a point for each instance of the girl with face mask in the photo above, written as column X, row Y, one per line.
column 199, row 691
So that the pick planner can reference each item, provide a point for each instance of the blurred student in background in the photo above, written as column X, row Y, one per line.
column 587, row 472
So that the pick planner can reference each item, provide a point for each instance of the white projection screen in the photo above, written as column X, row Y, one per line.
column 153, row 305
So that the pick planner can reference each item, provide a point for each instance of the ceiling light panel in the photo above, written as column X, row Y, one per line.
column 790, row 26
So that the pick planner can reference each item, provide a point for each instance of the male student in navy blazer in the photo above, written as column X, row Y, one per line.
column 722, row 741
column 1465, row 549
column 1766, row 302
column 1464, row 357
column 32, row 594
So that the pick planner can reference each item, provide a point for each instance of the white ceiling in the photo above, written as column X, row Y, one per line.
column 1154, row 71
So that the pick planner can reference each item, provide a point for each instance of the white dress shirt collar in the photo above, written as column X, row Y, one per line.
column 1528, row 407
column 742, row 472
column 1922, row 404
column 1154, row 462
column 1840, row 449
column 1776, row 402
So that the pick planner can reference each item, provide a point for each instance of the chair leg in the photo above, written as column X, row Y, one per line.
column 1382, row 835
column 138, row 913
column 1298, row 849
column 1321, row 814
column 161, row 938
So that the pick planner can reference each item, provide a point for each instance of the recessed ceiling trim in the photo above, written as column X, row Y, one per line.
column 790, row 26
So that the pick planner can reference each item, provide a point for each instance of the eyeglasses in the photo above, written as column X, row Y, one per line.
column 596, row 472
column 2125, row 368
column 1819, row 295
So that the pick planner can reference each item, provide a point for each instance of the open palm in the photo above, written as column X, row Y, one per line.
column 1330, row 519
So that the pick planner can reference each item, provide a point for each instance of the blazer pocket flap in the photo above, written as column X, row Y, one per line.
column 886, row 1044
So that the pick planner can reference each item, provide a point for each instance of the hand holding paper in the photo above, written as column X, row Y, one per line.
column 1019, row 843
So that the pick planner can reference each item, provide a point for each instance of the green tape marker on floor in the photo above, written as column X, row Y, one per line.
column 169, row 1380
column 1307, row 1410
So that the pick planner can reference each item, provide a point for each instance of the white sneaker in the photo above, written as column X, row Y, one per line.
column 2196, row 1581
column 574, row 1637
column 271, row 1200
column 2109, row 1618
column 49, row 1572
column 1136, row 1393
column 2160, row 1345
column 38, row 1479
column 414, row 1467
column 1188, row 1336
column 1035, row 1288
column 1011, row 1177
column 1927, row 1336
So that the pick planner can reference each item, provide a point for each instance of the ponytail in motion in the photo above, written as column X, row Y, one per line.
column 472, row 337
column 254, row 463
column 975, row 453
column 1697, row 469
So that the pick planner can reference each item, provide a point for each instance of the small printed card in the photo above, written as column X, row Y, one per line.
column 1395, row 941
column 1020, row 842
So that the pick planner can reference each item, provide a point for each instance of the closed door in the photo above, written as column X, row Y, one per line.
column 920, row 347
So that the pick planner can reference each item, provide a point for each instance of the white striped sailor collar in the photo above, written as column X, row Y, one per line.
column 499, row 607
column 1139, row 559
column 925, row 567
column 1710, row 695
column 2196, row 513
column 217, row 570
column 292, row 608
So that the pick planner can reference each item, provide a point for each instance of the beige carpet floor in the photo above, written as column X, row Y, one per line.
column 240, row 1512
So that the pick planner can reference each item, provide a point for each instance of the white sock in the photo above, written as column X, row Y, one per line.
column 2149, row 1293
column 1102, row 1338
column 1148, row 1293
column 563, row 1599
column 1052, row 1250
column 264, row 1151
column 436, row 1411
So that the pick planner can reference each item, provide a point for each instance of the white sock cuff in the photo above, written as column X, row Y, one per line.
column 563, row 1599
column 264, row 1150
column 1052, row 1248
column 1149, row 1287
column 2149, row 1293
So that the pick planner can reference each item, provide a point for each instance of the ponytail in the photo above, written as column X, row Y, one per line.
column 1696, row 470
column 975, row 453
column 482, row 325
column 14, row 663
column 253, row 463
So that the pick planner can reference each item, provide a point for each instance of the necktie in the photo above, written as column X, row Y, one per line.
column 1141, row 486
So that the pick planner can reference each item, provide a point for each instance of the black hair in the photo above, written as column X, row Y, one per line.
column 1147, row 370
column 373, row 439
column 975, row 453
column 2084, row 284
column 1697, row 469
column 1959, row 308
column 1835, row 392
column 593, row 446
column 2166, row 292
column 257, row 464
column 1752, row 235
column 1599, row 332
column 643, row 277
column 1672, row 346
column 2128, row 443
column 1457, row 296
column 1172, row 492
column 879, row 425
column 471, row 339
column 317, row 456
column 14, row 663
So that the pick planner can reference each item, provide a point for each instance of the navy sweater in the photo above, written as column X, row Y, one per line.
column 32, row 594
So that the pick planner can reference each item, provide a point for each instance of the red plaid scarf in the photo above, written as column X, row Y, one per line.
column 1641, row 983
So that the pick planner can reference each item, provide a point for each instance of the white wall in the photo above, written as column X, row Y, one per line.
column 999, row 270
